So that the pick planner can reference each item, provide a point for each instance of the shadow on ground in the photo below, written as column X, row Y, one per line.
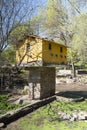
column 72, row 94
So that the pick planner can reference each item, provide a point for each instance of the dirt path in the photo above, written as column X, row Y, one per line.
column 71, row 87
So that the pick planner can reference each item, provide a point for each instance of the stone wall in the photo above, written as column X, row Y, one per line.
column 81, row 72
column 45, row 76
column 47, row 82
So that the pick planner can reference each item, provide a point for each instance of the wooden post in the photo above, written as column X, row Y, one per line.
column 33, row 91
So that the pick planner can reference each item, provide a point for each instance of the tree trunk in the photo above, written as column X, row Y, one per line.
column 73, row 70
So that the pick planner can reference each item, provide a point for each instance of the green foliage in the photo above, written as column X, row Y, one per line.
column 72, row 55
column 25, row 29
column 3, row 103
column 9, row 54
column 55, row 16
column 19, row 32
column 79, row 39
column 5, row 106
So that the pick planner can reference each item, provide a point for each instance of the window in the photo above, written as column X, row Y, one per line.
column 50, row 47
column 28, row 47
column 56, row 55
column 61, row 49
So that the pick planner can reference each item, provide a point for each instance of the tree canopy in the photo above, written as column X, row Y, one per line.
column 79, row 39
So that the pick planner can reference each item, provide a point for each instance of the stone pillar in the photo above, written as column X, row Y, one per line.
column 47, row 82
column 45, row 76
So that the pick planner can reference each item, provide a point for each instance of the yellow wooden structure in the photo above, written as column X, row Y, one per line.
column 35, row 50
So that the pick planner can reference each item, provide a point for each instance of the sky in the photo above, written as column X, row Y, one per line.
column 83, row 3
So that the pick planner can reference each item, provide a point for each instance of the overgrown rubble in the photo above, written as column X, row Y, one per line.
column 76, row 116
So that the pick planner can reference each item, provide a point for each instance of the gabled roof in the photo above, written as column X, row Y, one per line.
column 53, row 42
column 45, row 39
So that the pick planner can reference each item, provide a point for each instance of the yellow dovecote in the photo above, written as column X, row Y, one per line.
column 34, row 50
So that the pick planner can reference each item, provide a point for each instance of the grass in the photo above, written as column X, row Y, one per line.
column 5, row 106
column 64, row 125
column 46, row 118
column 71, row 107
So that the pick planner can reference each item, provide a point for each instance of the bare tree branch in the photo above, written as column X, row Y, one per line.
column 13, row 13
column 74, row 7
